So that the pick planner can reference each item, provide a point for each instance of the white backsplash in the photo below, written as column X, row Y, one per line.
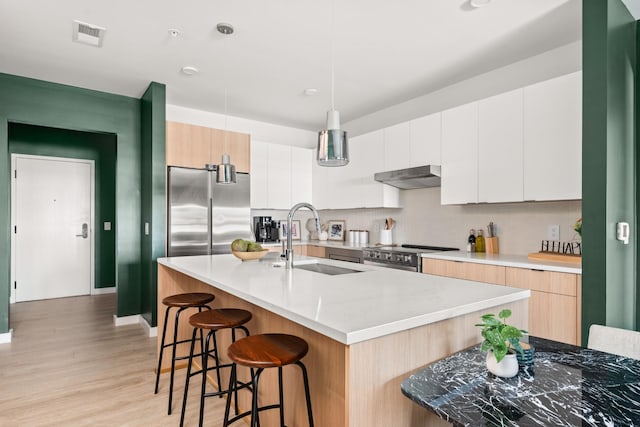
column 423, row 220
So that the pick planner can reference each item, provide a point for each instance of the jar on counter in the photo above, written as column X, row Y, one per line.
column 471, row 241
column 480, row 241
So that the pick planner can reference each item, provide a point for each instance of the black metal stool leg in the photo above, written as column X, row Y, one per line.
column 280, row 396
column 173, row 356
column 306, row 391
column 164, row 334
column 254, row 399
column 205, row 361
column 186, row 384
column 215, row 351
column 232, row 383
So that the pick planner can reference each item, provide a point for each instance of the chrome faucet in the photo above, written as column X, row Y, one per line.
column 288, row 253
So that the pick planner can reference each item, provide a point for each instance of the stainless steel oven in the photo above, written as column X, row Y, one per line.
column 405, row 257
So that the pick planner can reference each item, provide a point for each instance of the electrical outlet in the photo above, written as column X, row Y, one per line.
column 553, row 232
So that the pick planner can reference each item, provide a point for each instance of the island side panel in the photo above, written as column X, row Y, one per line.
column 325, row 361
column 377, row 367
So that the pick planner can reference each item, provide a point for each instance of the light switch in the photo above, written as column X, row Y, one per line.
column 146, row 228
column 107, row 226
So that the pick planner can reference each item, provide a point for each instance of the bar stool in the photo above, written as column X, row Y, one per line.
column 181, row 302
column 261, row 352
column 213, row 321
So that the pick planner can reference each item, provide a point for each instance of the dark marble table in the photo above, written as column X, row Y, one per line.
column 566, row 386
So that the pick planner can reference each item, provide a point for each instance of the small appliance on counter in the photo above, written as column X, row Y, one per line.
column 265, row 229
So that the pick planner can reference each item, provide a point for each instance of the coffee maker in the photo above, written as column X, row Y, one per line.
column 266, row 230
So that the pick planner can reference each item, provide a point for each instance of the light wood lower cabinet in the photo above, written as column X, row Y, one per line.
column 555, row 306
column 465, row 270
column 316, row 251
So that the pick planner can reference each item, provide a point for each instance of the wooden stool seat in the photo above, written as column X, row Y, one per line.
column 193, row 299
column 221, row 318
column 260, row 352
column 268, row 350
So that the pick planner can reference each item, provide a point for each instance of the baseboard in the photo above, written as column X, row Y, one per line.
column 136, row 319
column 100, row 291
column 126, row 320
column 6, row 337
column 151, row 331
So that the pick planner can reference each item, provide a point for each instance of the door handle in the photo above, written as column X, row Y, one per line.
column 85, row 231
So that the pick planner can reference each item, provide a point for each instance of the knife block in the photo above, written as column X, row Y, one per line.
column 491, row 245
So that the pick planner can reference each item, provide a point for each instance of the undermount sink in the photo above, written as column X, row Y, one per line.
column 331, row 270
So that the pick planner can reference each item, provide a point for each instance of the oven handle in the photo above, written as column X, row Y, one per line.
column 397, row 267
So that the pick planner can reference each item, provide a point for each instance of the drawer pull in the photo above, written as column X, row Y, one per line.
column 536, row 269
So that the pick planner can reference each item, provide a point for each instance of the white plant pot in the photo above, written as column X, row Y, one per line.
column 507, row 368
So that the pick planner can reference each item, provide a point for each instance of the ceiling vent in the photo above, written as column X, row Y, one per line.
column 88, row 34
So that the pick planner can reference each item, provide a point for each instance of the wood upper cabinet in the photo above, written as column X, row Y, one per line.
column 195, row 146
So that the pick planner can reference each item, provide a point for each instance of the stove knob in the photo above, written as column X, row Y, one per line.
column 388, row 257
column 407, row 259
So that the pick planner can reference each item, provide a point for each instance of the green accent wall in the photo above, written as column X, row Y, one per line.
column 153, row 195
column 101, row 148
column 609, row 167
column 40, row 103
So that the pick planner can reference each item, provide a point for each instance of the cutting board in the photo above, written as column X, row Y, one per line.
column 553, row 256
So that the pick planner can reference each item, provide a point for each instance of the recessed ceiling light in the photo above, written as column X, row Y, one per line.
column 225, row 29
column 173, row 32
column 311, row 92
column 189, row 71
column 479, row 3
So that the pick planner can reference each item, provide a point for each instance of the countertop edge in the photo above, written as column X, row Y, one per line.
column 518, row 261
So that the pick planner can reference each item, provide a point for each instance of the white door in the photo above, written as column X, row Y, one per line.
column 52, row 215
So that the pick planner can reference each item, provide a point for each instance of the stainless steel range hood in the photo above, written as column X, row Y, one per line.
column 410, row 178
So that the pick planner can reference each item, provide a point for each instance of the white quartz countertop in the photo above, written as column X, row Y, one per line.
column 520, row 261
column 349, row 308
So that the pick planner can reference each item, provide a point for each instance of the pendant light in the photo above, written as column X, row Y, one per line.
column 226, row 172
column 333, row 148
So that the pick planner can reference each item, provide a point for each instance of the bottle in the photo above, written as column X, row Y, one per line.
column 471, row 241
column 480, row 241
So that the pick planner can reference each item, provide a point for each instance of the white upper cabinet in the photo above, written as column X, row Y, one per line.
column 301, row 187
column 258, row 176
column 280, row 175
column 553, row 139
column 397, row 147
column 460, row 155
column 425, row 140
column 320, row 189
column 500, row 139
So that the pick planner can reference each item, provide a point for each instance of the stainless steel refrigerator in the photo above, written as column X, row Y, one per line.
column 204, row 217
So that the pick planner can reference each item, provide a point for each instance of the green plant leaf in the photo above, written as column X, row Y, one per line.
column 504, row 314
column 510, row 332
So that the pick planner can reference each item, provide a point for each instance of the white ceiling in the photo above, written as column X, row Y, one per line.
column 386, row 52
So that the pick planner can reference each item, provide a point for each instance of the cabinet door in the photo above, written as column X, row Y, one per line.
column 319, row 185
column 279, row 176
column 301, row 189
column 460, row 155
column 425, row 140
column 235, row 144
column 187, row 145
column 494, row 274
column 368, row 158
column 397, row 146
column 553, row 139
column 500, row 142
column 316, row 251
column 259, row 175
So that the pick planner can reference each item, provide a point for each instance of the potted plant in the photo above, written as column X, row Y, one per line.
column 501, row 341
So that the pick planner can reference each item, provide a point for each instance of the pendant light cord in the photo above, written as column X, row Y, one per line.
column 333, row 53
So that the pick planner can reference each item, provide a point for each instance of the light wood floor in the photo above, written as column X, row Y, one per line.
column 68, row 365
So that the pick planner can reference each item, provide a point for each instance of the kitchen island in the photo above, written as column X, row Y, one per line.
column 367, row 330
